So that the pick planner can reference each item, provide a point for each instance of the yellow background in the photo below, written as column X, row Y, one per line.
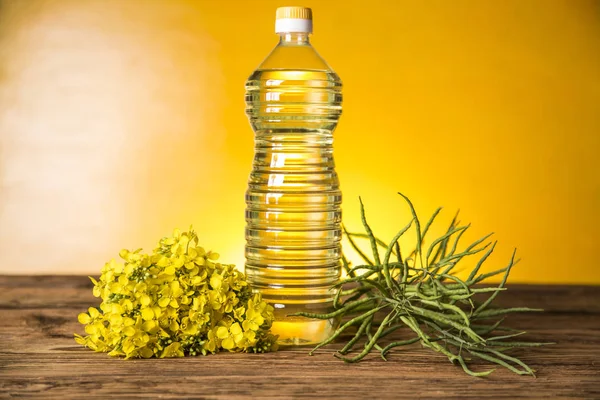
column 120, row 120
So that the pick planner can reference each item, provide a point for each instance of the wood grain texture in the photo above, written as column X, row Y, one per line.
column 39, row 358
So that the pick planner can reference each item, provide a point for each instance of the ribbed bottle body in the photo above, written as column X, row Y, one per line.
column 293, row 214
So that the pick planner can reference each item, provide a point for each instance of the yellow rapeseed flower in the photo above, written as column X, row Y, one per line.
column 230, row 337
column 177, row 301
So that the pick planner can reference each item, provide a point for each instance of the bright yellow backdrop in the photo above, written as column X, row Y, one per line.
column 120, row 120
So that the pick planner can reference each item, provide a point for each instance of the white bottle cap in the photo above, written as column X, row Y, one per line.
column 293, row 19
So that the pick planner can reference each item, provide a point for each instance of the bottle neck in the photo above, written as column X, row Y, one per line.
column 294, row 38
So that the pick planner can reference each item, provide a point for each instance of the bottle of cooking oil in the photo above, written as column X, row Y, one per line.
column 293, row 215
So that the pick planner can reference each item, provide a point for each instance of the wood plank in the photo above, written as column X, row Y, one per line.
column 39, row 359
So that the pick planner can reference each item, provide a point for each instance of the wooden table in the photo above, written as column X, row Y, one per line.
column 39, row 358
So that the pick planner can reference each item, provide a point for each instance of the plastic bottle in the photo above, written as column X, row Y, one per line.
column 293, row 215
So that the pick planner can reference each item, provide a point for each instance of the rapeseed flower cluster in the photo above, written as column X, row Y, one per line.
column 175, row 302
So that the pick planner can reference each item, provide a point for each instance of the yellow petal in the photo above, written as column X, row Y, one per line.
column 127, row 304
column 164, row 301
column 190, row 265
column 116, row 308
column 123, row 254
column 170, row 270
column 163, row 333
column 228, row 343
column 116, row 267
column 235, row 328
column 115, row 287
column 191, row 329
column 183, row 242
column 195, row 281
column 145, row 300
column 129, row 331
column 80, row 340
column 259, row 320
column 84, row 318
column 222, row 332
column 215, row 281
column 247, row 325
column 90, row 329
column 172, row 350
column 239, row 337
column 123, row 280
column 146, row 352
column 174, row 326
column 106, row 307
column 163, row 262
column 250, row 335
column 94, row 313
column 116, row 319
column 149, row 326
column 147, row 314
column 129, row 269
column 128, row 346
column 116, row 353
column 179, row 261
